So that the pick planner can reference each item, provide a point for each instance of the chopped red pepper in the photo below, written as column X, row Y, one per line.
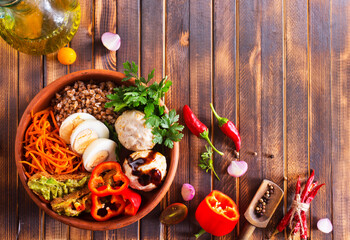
column 108, row 178
column 132, row 201
column 217, row 214
column 104, row 208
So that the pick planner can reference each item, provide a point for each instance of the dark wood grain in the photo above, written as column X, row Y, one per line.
column 272, row 157
column 200, row 88
column 83, row 44
column 83, row 41
column 105, row 21
column 30, row 82
column 53, row 69
column 9, row 119
column 296, row 96
column 152, row 20
column 224, row 95
column 320, row 111
column 340, row 112
column 177, row 69
column 250, row 103
column 128, row 28
column 280, row 74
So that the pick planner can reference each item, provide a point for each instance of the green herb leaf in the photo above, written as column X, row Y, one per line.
column 206, row 161
column 165, row 127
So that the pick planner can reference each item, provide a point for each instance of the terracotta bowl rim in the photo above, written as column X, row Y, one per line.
column 73, row 221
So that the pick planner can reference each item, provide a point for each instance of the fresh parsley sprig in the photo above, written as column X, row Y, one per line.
column 165, row 127
column 206, row 161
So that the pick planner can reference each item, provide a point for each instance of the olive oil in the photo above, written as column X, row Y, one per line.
column 39, row 26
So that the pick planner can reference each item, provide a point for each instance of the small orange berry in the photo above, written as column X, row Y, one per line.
column 66, row 56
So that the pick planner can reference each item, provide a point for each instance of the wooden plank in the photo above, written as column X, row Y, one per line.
column 83, row 41
column 320, row 110
column 30, row 82
column 54, row 229
column 198, row 98
column 105, row 21
column 224, row 60
column 9, row 119
column 177, row 68
column 296, row 96
column 340, row 92
column 151, row 58
column 250, row 103
column 272, row 158
column 83, row 44
column 128, row 28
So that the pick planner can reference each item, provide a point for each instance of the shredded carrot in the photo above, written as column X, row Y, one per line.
column 45, row 150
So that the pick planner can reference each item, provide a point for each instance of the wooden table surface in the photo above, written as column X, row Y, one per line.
column 279, row 69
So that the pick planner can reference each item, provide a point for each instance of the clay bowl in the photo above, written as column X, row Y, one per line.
column 41, row 101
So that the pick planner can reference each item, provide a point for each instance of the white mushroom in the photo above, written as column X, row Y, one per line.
column 98, row 151
column 87, row 132
column 71, row 122
column 145, row 169
column 132, row 131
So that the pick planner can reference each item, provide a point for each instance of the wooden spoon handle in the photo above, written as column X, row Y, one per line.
column 247, row 232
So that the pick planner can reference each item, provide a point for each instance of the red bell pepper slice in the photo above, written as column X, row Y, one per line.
column 104, row 208
column 132, row 201
column 107, row 178
column 217, row 214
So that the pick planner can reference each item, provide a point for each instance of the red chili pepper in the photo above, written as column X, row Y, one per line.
column 307, row 186
column 310, row 197
column 303, row 235
column 284, row 222
column 107, row 178
column 104, row 208
column 132, row 201
column 197, row 127
column 228, row 128
column 309, row 192
column 217, row 214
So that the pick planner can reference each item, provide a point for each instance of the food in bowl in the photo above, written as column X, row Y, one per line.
column 86, row 97
column 145, row 170
column 85, row 145
column 132, row 131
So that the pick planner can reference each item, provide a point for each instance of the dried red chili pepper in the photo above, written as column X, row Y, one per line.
column 311, row 195
column 197, row 127
column 307, row 186
column 284, row 222
column 299, row 216
column 228, row 128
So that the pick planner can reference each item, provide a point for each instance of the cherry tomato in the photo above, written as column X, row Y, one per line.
column 66, row 56
column 174, row 214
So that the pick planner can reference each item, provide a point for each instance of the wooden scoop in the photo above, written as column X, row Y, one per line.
column 261, row 222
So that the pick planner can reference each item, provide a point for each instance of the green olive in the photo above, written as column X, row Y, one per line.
column 174, row 214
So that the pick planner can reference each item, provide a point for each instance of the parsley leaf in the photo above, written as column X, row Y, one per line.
column 165, row 127
column 206, row 161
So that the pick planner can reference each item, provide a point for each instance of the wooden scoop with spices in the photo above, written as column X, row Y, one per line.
column 262, row 207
